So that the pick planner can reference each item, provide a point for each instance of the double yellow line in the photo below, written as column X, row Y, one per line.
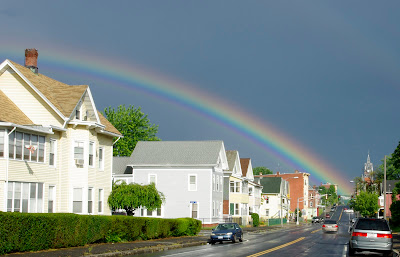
column 276, row 248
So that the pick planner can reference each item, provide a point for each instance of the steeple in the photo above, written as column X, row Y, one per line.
column 368, row 168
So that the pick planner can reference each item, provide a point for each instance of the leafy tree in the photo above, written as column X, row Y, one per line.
column 262, row 170
column 396, row 158
column 395, row 191
column 366, row 203
column 395, row 210
column 133, row 196
column 134, row 126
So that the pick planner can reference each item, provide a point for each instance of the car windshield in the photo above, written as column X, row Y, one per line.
column 330, row 222
column 225, row 226
column 372, row 224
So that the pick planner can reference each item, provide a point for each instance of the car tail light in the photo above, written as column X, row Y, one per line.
column 336, row 226
column 359, row 234
column 384, row 235
column 323, row 226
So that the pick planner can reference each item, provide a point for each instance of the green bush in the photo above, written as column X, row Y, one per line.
column 256, row 219
column 21, row 232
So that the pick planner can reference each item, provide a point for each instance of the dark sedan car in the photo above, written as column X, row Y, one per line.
column 226, row 232
column 370, row 235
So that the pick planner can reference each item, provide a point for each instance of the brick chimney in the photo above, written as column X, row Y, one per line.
column 31, row 56
column 277, row 173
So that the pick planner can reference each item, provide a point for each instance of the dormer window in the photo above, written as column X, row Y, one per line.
column 78, row 111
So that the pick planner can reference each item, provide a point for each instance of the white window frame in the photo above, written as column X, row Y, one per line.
column 91, row 154
column 155, row 178
column 213, row 182
column 217, row 185
column 79, row 144
column 90, row 202
column 191, row 210
column 53, row 151
column 100, row 205
column 15, row 146
column 26, row 190
column 189, row 184
column 101, row 158
column 51, row 197
column 75, row 199
column 2, row 143
column 236, row 209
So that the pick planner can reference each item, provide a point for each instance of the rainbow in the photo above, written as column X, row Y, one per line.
column 129, row 77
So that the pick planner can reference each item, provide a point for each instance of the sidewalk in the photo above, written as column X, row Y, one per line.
column 137, row 247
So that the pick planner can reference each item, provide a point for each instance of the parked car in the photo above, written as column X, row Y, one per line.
column 226, row 232
column 327, row 216
column 315, row 220
column 330, row 226
column 369, row 234
column 348, row 210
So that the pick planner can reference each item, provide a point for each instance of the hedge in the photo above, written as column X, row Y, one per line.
column 21, row 232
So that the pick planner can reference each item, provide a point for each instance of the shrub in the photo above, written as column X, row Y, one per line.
column 256, row 219
column 21, row 232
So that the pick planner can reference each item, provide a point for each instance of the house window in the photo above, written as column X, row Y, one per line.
column 78, row 153
column 25, row 197
column 217, row 183
column 267, row 212
column 195, row 209
column 91, row 149
column 101, row 158
column 51, row 198
column 78, row 111
column 311, row 204
column 237, row 210
column 142, row 212
column 41, row 148
column 153, row 179
column 234, row 186
column 18, row 146
column 32, row 147
column 2, row 143
column 52, row 152
column 101, row 196
column 192, row 182
column 149, row 213
column 11, row 145
column 77, row 200
column 213, row 209
column 159, row 212
column 213, row 183
column 250, row 191
column 90, row 200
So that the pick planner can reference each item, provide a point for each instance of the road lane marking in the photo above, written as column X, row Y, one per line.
column 316, row 231
column 276, row 248
column 341, row 214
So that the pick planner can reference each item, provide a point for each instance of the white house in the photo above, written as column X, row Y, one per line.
column 55, row 147
column 254, row 189
column 188, row 173
column 274, row 202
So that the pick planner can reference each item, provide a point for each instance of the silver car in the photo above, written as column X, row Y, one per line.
column 330, row 226
column 370, row 235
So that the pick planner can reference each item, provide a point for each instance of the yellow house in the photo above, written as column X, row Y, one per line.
column 55, row 147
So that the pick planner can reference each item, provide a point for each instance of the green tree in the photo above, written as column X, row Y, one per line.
column 133, row 196
column 366, row 203
column 262, row 170
column 134, row 126
column 396, row 158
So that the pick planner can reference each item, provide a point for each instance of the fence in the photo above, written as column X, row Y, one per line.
column 239, row 220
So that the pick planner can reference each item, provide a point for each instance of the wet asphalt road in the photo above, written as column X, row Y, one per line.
column 305, row 240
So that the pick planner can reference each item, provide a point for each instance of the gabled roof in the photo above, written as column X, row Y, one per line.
column 244, row 162
column 176, row 153
column 11, row 113
column 271, row 185
column 120, row 165
column 61, row 97
column 64, row 97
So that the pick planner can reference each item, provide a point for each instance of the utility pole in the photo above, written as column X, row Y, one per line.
column 384, row 188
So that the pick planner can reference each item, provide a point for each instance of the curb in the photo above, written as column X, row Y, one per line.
column 147, row 250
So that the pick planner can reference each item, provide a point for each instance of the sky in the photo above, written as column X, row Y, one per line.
column 306, row 85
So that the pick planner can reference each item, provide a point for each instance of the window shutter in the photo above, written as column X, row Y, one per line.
column 231, row 208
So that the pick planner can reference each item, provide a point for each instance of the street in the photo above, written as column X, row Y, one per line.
column 305, row 240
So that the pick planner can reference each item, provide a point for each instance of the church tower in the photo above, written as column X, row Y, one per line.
column 368, row 169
